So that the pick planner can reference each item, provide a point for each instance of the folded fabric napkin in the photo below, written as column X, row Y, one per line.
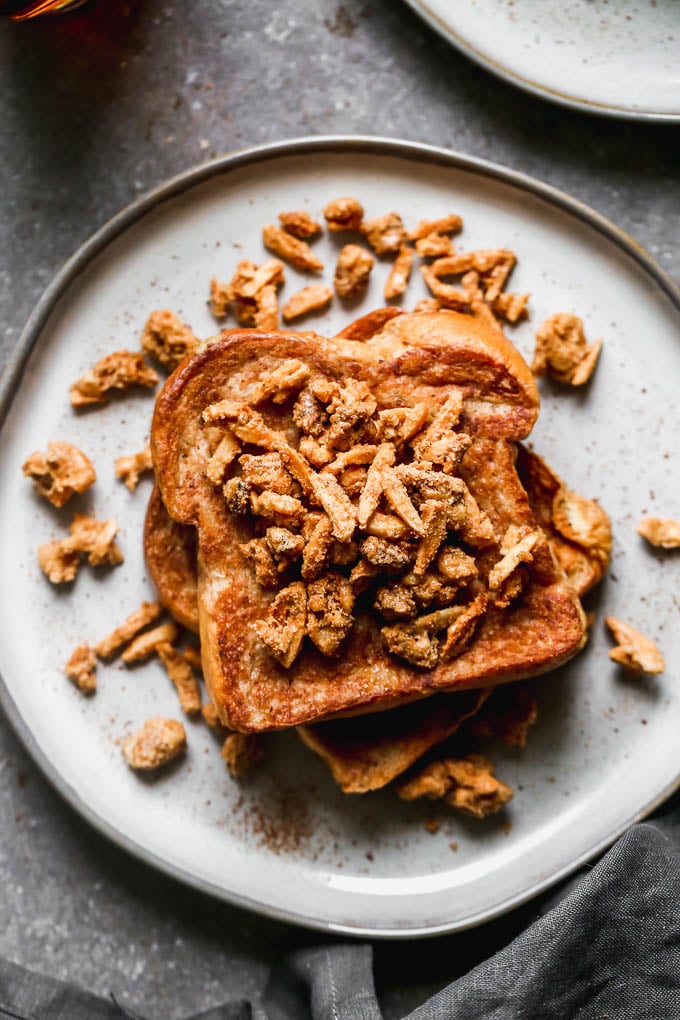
column 609, row 949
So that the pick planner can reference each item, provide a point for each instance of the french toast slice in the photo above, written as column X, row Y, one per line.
column 413, row 360
column 170, row 555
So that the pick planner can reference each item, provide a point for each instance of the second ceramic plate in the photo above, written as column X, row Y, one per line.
column 285, row 841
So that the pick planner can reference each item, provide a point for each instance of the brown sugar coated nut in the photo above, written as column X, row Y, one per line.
column 117, row 371
column 663, row 532
column 467, row 784
column 158, row 742
column 167, row 339
column 352, row 271
column 130, row 468
column 60, row 473
column 635, row 652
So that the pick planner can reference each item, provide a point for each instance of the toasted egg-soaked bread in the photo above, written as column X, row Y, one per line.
column 363, row 538
column 170, row 554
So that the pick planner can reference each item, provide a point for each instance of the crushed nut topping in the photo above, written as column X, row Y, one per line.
column 60, row 558
column 330, row 601
column 60, row 473
column 241, row 751
column 282, row 382
column 300, row 224
column 146, row 644
column 131, row 468
column 128, row 629
column 635, row 652
column 344, row 214
column 157, row 743
column 81, row 669
column 352, row 271
column 115, row 371
column 310, row 299
column 385, row 234
column 167, row 339
column 663, row 532
column 562, row 350
column 182, row 676
column 467, row 784
column 291, row 249
column 285, row 626
column 400, row 274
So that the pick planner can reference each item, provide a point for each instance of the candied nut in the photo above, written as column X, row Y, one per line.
column 284, row 628
column 385, row 234
column 285, row 545
column 467, row 784
column 562, row 350
column 443, row 423
column 400, row 424
column 461, row 628
column 353, row 480
column 300, row 224
column 344, row 214
column 517, row 547
column 96, row 539
column 310, row 299
column 81, row 669
column 157, row 743
column 635, row 652
column 382, row 553
column 361, row 576
column 395, row 603
column 337, row 504
column 277, row 507
column 237, row 496
column 357, row 455
column 146, row 644
column 266, row 471
column 429, row 484
column 290, row 249
column 309, row 414
column 330, row 600
column 182, row 676
column 400, row 273
column 427, row 305
column 375, row 483
column 258, row 553
column 316, row 453
column 115, row 371
column 267, row 308
column 129, row 628
column 434, row 515
column 280, row 383
column 455, row 565
column 506, row 716
column 240, row 751
column 352, row 271
column 317, row 546
column 249, row 279
column 512, row 307
column 450, row 224
column 386, row 526
column 663, row 532
column 350, row 409
column 59, row 473
column 435, row 246
column 447, row 295
column 130, row 468
column 220, row 298
column 419, row 647
column 226, row 451
column 167, row 339
column 476, row 529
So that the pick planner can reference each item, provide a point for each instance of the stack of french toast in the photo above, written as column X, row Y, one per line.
column 355, row 530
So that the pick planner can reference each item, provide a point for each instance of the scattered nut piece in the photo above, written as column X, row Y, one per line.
column 220, row 298
column 562, row 350
column 290, row 249
column 467, row 784
column 352, row 271
column 167, row 339
column 344, row 214
column 400, row 273
column 451, row 224
column 158, row 742
column 385, row 234
column 81, row 669
column 310, row 299
column 435, row 246
column 146, row 644
column 634, row 651
column 136, row 621
column 182, row 676
column 299, row 224
column 240, row 751
column 115, row 371
column 663, row 532
column 60, row 558
column 267, row 311
column 130, row 468
column 61, row 472
column 283, row 631
column 427, row 305
column 212, row 719
column 280, row 383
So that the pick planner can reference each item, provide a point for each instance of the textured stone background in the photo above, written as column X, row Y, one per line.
column 99, row 106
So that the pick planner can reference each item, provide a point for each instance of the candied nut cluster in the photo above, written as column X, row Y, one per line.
column 167, row 339
column 352, row 271
column 117, row 371
column 662, row 532
column 60, row 473
column 481, row 276
column 251, row 294
column 60, row 559
column 563, row 351
column 357, row 508
column 158, row 742
column 81, row 668
column 467, row 784
column 130, row 468
column 634, row 651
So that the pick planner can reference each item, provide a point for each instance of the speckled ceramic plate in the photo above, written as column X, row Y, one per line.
column 285, row 841
column 619, row 59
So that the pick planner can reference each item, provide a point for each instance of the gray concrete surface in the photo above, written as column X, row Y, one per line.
column 95, row 108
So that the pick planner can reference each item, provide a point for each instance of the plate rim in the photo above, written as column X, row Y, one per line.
column 85, row 253
column 534, row 88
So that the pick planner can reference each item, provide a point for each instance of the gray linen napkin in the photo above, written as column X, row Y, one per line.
column 609, row 949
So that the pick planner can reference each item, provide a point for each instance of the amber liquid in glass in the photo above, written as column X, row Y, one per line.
column 20, row 10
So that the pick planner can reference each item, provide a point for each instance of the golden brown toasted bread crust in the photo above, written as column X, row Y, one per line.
column 413, row 358
column 170, row 554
